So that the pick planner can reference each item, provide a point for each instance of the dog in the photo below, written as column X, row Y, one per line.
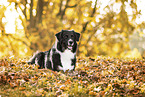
column 62, row 55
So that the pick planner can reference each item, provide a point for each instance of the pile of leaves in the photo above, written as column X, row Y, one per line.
column 92, row 77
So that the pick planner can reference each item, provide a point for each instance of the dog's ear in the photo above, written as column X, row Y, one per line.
column 77, row 36
column 58, row 35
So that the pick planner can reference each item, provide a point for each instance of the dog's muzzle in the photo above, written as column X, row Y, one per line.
column 70, row 44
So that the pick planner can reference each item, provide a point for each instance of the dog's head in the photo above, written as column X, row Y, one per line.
column 67, row 39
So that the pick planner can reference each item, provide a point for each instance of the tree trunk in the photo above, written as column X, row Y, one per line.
column 39, row 13
column 31, row 15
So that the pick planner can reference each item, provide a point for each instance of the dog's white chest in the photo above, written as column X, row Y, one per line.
column 66, row 60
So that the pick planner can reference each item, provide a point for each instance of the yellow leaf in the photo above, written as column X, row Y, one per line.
column 92, row 93
column 22, row 88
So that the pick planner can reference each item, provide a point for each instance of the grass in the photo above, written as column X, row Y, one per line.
column 92, row 77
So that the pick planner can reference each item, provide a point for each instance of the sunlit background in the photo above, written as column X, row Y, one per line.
column 108, row 27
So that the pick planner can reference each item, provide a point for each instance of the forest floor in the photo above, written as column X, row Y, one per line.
column 92, row 77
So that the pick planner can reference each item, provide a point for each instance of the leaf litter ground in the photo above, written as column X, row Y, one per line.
column 92, row 77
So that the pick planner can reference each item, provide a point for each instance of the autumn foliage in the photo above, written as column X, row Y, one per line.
column 92, row 77
column 30, row 25
column 107, row 29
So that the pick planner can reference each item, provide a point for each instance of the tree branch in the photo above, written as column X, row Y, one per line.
column 17, row 39
column 24, row 11
column 72, row 6
column 86, row 24
column 31, row 14
column 60, row 8
column 2, row 40
column 92, row 15
column 94, row 9
column 63, row 13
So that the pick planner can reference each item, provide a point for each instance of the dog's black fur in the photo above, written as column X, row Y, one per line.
column 62, row 56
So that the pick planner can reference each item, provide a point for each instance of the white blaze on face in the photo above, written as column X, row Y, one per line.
column 66, row 59
column 70, row 44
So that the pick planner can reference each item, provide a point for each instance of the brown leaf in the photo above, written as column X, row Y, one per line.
column 134, row 91
column 22, row 88
column 92, row 93
column 83, row 73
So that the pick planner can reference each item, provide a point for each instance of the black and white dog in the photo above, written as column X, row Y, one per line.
column 62, row 56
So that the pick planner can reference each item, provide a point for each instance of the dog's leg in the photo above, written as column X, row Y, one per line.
column 56, row 60
column 47, row 62
column 38, row 59
column 73, row 63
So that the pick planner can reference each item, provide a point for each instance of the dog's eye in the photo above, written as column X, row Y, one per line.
column 72, row 36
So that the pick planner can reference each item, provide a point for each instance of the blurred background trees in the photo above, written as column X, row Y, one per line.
column 107, row 27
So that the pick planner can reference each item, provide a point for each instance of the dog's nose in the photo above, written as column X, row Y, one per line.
column 70, row 42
